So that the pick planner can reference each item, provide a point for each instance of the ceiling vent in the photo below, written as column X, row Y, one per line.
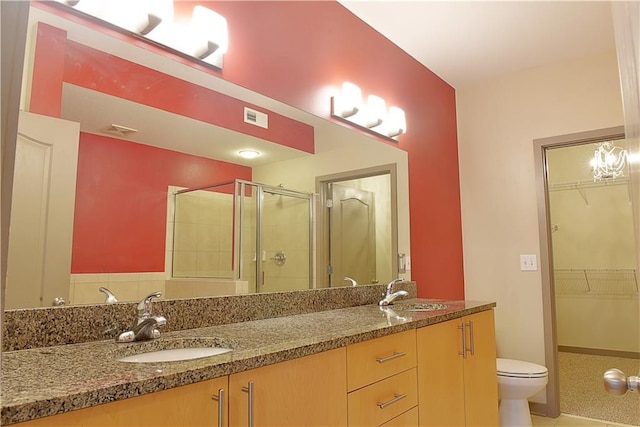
column 120, row 130
column 257, row 118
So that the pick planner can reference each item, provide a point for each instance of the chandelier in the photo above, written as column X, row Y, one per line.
column 608, row 162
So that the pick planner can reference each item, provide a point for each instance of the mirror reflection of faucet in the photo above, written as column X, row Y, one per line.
column 109, row 297
column 349, row 279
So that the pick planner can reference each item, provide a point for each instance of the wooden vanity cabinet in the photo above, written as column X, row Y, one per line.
column 456, row 389
column 415, row 377
column 186, row 406
column 309, row 391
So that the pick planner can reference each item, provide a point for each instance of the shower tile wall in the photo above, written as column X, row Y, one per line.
column 203, row 236
column 286, row 228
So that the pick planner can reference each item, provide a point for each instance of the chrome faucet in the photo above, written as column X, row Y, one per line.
column 145, row 326
column 389, row 295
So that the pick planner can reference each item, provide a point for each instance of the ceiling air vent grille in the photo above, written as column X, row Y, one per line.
column 120, row 130
column 257, row 118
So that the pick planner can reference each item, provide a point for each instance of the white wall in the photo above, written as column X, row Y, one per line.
column 497, row 123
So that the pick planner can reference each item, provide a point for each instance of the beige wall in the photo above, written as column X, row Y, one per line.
column 497, row 122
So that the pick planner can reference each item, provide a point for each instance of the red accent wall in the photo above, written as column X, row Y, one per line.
column 300, row 52
column 128, row 80
column 121, row 201
column 48, row 67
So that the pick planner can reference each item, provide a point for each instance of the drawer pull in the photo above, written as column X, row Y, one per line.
column 395, row 355
column 396, row 397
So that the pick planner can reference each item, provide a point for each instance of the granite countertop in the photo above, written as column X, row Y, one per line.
column 49, row 380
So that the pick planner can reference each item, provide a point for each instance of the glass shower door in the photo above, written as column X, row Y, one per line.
column 285, row 241
column 274, row 237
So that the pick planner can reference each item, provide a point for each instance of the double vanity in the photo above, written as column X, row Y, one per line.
column 330, row 357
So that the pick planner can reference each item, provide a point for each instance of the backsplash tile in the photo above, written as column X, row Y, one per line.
column 50, row 326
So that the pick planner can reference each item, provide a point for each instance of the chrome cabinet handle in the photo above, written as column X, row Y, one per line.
column 249, row 389
column 463, row 334
column 395, row 355
column 220, row 398
column 472, row 347
column 396, row 397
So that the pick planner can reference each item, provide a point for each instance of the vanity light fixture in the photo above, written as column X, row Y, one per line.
column 210, row 35
column 373, row 116
column 608, row 162
column 396, row 122
column 348, row 102
column 249, row 154
column 205, row 37
column 375, row 111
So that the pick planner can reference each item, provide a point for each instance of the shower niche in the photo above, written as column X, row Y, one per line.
column 239, row 237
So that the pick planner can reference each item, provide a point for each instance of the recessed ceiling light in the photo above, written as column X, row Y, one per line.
column 249, row 154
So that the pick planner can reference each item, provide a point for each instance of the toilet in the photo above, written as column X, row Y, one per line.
column 517, row 381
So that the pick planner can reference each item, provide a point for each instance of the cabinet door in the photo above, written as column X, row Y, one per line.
column 480, row 377
column 308, row 391
column 441, row 375
column 185, row 406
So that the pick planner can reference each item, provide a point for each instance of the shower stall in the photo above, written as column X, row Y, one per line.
column 252, row 233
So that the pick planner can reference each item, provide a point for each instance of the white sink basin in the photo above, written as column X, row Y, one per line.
column 174, row 354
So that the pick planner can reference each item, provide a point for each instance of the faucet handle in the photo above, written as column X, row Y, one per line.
column 144, row 306
column 393, row 282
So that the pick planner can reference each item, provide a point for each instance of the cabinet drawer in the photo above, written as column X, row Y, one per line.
column 408, row 419
column 380, row 402
column 373, row 360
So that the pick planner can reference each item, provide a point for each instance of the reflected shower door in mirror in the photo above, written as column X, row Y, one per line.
column 239, row 237
column 276, row 237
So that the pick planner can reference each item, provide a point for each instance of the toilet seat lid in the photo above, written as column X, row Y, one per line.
column 520, row 369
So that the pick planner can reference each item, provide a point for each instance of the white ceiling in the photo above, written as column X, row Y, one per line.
column 465, row 42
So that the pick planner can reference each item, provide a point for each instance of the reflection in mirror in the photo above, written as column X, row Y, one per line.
column 273, row 229
column 111, row 224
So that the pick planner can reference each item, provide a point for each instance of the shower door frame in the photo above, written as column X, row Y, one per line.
column 540, row 146
column 239, row 190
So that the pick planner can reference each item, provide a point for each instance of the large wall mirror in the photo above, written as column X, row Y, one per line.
column 118, row 194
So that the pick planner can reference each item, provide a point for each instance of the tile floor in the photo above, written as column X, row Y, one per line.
column 570, row 421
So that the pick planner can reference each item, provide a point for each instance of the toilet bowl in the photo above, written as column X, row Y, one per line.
column 517, row 381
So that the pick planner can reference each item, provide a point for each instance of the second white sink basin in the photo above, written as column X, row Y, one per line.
column 174, row 354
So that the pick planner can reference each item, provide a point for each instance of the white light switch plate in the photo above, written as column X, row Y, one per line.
column 528, row 263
